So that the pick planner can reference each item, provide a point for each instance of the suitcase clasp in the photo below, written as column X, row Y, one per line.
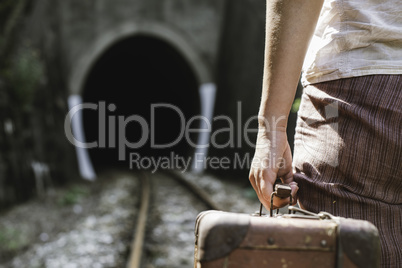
column 281, row 191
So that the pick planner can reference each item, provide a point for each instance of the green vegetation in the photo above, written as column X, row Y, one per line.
column 73, row 196
column 249, row 193
column 24, row 76
column 12, row 239
column 295, row 105
column 21, row 67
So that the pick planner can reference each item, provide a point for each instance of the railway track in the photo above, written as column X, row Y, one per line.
column 137, row 245
column 99, row 234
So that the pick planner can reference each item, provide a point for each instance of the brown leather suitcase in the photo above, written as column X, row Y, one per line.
column 233, row 240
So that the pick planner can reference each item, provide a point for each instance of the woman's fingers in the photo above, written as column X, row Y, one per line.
column 295, row 188
column 266, row 189
column 270, row 162
column 281, row 202
column 263, row 186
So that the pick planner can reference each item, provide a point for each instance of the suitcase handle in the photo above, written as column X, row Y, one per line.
column 284, row 191
column 281, row 191
column 308, row 214
column 305, row 214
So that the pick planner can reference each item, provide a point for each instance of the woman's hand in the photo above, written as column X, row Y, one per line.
column 288, row 22
column 272, row 160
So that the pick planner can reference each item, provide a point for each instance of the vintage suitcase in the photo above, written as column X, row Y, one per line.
column 233, row 240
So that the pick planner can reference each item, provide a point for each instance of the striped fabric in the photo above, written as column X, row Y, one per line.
column 348, row 154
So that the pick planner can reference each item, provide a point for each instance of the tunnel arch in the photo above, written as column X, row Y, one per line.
column 153, row 29
column 99, row 47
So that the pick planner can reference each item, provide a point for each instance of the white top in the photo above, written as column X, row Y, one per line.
column 355, row 38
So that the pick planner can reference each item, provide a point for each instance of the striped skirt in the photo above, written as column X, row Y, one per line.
column 348, row 154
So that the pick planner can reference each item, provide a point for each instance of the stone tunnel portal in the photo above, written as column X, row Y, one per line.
column 124, row 83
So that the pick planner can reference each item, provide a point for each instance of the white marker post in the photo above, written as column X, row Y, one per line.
column 207, row 93
column 84, row 162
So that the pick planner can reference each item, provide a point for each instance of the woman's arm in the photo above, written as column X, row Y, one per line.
column 289, row 27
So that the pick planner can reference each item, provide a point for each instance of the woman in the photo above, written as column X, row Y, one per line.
column 348, row 145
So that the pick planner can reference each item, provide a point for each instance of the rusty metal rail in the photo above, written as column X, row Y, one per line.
column 139, row 235
column 134, row 260
column 196, row 190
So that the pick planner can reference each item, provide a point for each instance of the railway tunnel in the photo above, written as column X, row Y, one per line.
column 124, row 82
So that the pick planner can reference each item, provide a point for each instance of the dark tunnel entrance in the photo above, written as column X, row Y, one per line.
column 130, row 76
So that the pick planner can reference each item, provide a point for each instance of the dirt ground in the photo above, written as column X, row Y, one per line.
column 91, row 224
column 81, row 225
